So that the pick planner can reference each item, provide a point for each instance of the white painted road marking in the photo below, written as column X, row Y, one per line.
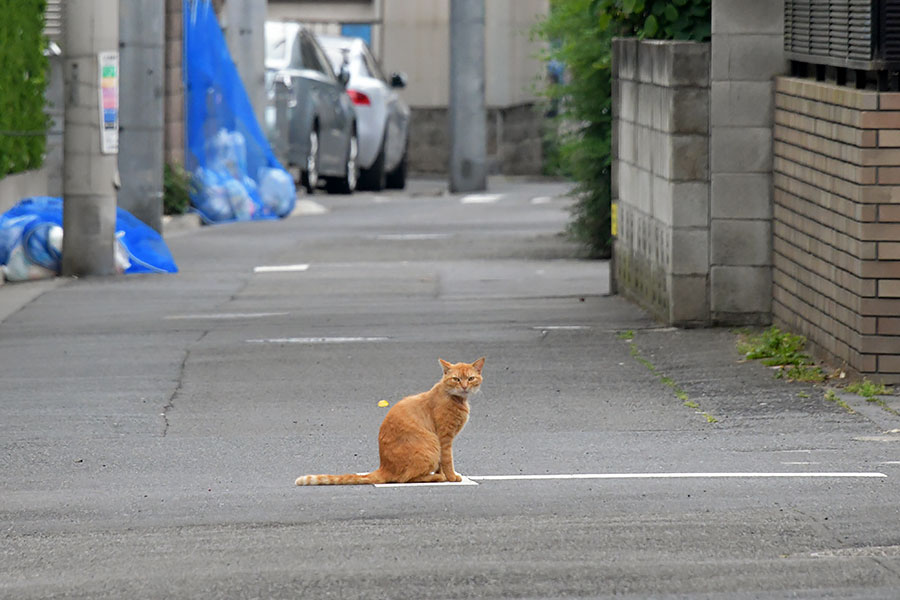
column 481, row 198
column 541, row 200
column 280, row 268
column 215, row 316
column 677, row 476
column 561, row 327
column 465, row 481
column 474, row 479
column 317, row 340
column 411, row 236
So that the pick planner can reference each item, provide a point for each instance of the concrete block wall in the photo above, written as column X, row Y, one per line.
column 692, row 169
column 747, row 40
column 837, row 222
column 514, row 137
column 661, row 176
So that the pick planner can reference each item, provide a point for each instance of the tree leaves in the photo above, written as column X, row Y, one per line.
column 23, row 79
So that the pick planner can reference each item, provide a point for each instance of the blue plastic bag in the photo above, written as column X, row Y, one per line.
column 31, row 237
column 227, row 152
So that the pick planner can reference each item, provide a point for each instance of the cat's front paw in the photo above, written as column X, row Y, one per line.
column 455, row 477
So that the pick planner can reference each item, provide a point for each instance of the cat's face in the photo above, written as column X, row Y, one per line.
column 462, row 379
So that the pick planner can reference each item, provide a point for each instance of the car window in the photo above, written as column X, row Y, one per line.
column 323, row 61
column 310, row 57
column 297, row 59
column 372, row 65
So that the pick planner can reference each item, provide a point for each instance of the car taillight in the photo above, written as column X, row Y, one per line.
column 358, row 97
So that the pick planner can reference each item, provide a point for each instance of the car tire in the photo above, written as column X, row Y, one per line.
column 396, row 179
column 374, row 179
column 347, row 183
column 310, row 175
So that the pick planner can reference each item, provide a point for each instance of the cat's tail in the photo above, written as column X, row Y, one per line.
column 348, row 479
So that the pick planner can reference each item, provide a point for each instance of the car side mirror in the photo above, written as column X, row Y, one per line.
column 398, row 80
column 344, row 76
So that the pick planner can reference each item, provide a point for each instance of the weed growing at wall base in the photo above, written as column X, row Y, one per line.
column 783, row 351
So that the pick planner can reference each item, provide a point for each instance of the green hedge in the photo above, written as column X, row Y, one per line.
column 23, row 79
column 579, row 35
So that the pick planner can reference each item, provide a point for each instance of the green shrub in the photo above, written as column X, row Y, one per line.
column 579, row 35
column 176, row 190
column 23, row 80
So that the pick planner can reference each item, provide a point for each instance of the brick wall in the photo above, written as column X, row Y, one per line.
column 837, row 222
column 661, row 176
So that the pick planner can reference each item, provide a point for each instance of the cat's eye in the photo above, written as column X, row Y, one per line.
column 472, row 378
column 456, row 379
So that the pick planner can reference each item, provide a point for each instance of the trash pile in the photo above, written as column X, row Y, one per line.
column 31, row 239
column 235, row 174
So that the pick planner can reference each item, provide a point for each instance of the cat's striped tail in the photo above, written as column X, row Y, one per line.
column 348, row 479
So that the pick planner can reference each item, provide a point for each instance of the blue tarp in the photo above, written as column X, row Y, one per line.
column 235, row 174
column 31, row 241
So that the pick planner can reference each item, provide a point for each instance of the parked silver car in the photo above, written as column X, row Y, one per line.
column 309, row 118
column 381, row 114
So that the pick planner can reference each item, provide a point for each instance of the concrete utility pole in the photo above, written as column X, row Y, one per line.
column 468, row 116
column 142, row 120
column 91, row 136
column 245, row 23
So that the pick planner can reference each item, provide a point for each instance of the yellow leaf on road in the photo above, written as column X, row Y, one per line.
column 383, row 403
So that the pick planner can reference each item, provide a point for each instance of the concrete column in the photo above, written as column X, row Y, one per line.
column 245, row 22
column 142, row 117
column 89, row 209
column 468, row 116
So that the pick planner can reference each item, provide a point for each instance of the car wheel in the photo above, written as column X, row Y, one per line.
column 347, row 183
column 374, row 178
column 396, row 179
column 311, row 173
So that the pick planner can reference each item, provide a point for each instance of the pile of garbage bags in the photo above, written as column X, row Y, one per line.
column 235, row 174
column 223, row 191
column 31, row 238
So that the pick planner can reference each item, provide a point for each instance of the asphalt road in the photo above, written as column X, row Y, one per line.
column 151, row 427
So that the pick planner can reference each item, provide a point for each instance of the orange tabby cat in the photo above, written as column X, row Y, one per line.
column 415, row 441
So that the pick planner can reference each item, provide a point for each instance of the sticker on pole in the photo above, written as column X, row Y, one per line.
column 109, row 101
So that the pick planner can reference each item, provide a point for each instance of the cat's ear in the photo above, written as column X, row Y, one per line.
column 444, row 365
column 479, row 364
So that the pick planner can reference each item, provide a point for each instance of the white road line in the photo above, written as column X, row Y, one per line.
column 541, row 200
column 561, row 327
column 215, row 316
column 890, row 462
column 280, row 268
column 677, row 476
column 465, row 481
column 317, row 340
column 474, row 479
column 411, row 236
column 800, row 462
column 481, row 198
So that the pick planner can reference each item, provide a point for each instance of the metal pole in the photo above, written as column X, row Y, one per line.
column 468, row 116
column 91, row 136
column 142, row 121
column 245, row 22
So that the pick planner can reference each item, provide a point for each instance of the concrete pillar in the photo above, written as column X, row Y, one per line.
column 244, row 24
column 142, row 118
column 468, row 116
column 89, row 208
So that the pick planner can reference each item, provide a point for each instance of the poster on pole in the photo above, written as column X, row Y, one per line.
column 109, row 102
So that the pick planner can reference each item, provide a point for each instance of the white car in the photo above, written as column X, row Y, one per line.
column 382, row 117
